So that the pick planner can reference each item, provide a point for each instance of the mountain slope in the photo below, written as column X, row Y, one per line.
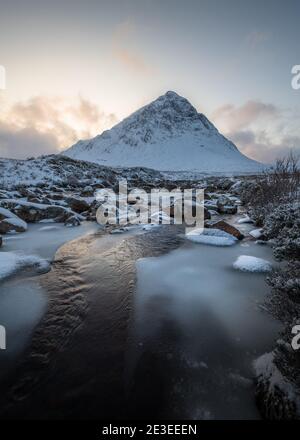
column 168, row 135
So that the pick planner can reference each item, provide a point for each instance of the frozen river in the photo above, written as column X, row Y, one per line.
column 132, row 325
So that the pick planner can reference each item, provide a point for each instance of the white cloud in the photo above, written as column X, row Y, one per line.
column 261, row 131
column 44, row 125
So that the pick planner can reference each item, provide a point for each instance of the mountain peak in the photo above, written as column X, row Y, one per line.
column 170, row 112
column 172, row 95
column 173, row 99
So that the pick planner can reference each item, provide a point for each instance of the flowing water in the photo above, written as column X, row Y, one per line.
column 144, row 325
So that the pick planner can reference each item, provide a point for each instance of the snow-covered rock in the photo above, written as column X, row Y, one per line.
column 6, row 213
column 226, row 206
column 214, row 237
column 12, row 225
column 167, row 134
column 77, row 204
column 245, row 219
column 224, row 226
column 9, row 222
column 256, row 233
column 35, row 212
column 11, row 262
column 247, row 263
column 211, row 205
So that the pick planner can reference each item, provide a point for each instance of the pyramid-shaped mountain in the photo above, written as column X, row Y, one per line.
column 168, row 135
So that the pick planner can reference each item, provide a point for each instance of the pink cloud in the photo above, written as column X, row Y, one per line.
column 44, row 125
column 257, row 129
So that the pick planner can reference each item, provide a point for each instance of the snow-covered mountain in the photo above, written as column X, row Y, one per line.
column 168, row 135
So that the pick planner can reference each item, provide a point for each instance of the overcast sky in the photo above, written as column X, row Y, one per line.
column 74, row 68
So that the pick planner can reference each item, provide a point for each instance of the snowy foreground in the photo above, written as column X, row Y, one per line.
column 56, row 190
column 40, row 197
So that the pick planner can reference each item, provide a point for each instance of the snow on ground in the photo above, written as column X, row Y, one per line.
column 60, row 170
column 51, row 169
column 245, row 219
column 11, row 262
column 40, row 206
column 256, row 233
column 214, row 237
column 267, row 371
column 247, row 263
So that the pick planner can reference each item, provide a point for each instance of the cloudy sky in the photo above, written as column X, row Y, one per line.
column 75, row 68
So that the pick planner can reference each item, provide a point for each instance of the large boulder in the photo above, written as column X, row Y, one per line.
column 226, row 206
column 12, row 225
column 77, row 205
column 6, row 213
column 57, row 213
column 29, row 214
column 9, row 222
column 226, row 227
column 35, row 212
